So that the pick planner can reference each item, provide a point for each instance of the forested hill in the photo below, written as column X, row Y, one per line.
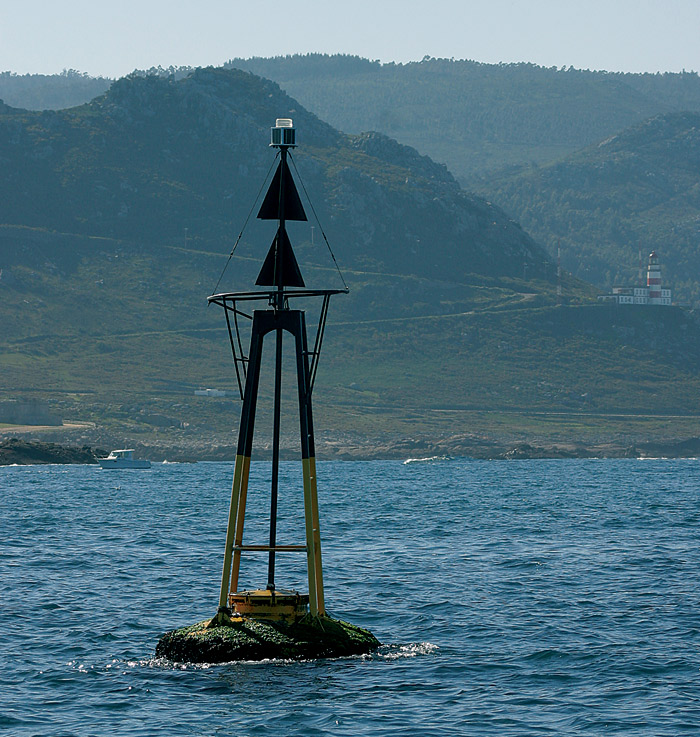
column 50, row 91
column 477, row 117
column 155, row 156
column 638, row 190
column 117, row 217
column 474, row 117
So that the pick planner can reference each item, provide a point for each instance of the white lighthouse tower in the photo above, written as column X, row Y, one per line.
column 654, row 279
column 657, row 295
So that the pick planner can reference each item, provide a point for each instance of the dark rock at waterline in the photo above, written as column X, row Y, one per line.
column 250, row 639
column 527, row 451
column 25, row 452
column 687, row 448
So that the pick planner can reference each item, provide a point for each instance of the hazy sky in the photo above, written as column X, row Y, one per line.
column 114, row 38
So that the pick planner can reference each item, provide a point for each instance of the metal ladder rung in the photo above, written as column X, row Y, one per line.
column 276, row 548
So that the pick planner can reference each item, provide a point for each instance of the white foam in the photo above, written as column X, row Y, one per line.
column 410, row 650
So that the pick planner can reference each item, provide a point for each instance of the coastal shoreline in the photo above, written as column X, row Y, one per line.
column 25, row 451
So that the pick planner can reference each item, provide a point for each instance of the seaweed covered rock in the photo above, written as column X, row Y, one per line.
column 253, row 639
column 27, row 452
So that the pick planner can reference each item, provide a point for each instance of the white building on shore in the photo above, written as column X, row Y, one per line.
column 651, row 294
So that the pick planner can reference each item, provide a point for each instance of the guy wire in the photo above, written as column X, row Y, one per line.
column 313, row 209
column 240, row 235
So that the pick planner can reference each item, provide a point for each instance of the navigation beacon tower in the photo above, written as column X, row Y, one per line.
column 282, row 281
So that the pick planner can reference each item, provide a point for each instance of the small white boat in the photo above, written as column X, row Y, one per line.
column 123, row 459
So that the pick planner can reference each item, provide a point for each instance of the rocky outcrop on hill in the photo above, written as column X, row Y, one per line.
column 155, row 157
column 15, row 451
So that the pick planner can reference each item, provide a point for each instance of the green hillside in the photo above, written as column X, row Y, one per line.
column 476, row 117
column 637, row 190
column 155, row 157
column 119, row 334
column 117, row 218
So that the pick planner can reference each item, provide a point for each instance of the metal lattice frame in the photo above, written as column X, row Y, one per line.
column 229, row 302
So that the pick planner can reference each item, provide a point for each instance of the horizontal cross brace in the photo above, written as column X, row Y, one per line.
column 276, row 548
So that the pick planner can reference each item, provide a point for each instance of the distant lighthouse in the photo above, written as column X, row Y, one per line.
column 651, row 294
column 654, row 279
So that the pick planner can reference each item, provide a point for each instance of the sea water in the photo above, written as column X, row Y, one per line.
column 512, row 597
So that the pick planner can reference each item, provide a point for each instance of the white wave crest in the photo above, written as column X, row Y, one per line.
column 410, row 650
column 431, row 459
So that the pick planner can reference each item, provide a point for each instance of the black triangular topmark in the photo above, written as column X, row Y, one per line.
column 270, row 208
column 290, row 276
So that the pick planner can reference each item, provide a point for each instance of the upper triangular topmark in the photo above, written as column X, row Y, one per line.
column 271, row 208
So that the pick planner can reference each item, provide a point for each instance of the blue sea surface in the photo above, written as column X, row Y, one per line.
column 513, row 598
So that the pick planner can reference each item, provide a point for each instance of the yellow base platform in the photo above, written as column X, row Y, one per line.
column 275, row 606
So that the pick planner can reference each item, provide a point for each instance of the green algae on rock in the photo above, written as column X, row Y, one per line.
column 253, row 639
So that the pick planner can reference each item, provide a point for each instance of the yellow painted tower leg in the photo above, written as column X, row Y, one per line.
column 317, row 539
column 240, row 520
column 309, row 523
column 313, row 540
column 240, row 477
